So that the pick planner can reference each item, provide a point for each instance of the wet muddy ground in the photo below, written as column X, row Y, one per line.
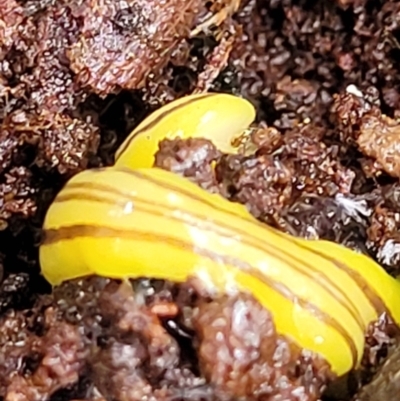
column 324, row 77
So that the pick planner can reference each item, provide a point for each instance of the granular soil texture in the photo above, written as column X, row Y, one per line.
column 76, row 77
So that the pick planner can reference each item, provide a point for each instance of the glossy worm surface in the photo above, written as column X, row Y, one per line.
column 215, row 116
column 123, row 223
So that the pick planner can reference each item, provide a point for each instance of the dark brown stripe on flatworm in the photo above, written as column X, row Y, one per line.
column 162, row 184
column 65, row 233
column 373, row 297
column 369, row 291
column 218, row 228
column 157, row 120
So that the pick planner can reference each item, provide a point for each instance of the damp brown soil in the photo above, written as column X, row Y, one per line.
column 76, row 77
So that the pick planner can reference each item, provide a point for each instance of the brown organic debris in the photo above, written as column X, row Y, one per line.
column 380, row 139
column 268, row 367
column 122, row 43
column 76, row 77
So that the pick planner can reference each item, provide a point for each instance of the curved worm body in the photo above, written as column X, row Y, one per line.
column 215, row 116
column 123, row 223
